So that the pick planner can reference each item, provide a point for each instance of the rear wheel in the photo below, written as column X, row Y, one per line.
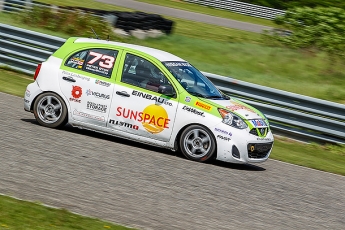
column 197, row 143
column 50, row 110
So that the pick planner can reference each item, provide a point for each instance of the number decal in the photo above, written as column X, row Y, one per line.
column 96, row 58
column 108, row 61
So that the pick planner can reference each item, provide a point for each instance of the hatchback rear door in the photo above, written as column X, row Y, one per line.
column 86, row 80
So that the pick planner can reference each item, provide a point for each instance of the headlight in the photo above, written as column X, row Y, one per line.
column 231, row 119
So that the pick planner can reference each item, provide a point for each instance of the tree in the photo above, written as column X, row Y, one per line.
column 318, row 28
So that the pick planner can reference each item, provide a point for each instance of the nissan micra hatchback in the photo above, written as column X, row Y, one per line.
column 146, row 95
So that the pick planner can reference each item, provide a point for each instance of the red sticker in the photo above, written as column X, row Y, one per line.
column 76, row 91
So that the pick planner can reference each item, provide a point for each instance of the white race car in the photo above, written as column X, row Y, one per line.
column 146, row 95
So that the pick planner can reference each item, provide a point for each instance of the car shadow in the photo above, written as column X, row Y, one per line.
column 244, row 167
column 32, row 121
column 93, row 134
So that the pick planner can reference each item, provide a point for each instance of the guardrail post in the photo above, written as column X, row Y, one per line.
column 1, row 5
column 28, row 4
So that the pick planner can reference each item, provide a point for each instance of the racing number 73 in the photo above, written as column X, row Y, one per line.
column 107, row 61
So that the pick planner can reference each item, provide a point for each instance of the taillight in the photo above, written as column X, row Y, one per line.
column 37, row 70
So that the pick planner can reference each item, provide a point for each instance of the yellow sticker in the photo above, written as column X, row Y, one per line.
column 203, row 105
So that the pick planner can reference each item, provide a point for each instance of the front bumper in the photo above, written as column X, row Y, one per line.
column 243, row 147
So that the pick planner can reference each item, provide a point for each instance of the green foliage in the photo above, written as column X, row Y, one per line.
column 320, row 29
column 73, row 23
column 286, row 4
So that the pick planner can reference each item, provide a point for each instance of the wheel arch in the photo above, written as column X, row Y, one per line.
column 178, row 136
column 34, row 100
column 62, row 97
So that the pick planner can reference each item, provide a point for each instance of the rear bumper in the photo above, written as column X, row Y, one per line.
column 31, row 92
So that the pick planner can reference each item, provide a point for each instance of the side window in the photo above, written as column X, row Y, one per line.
column 96, row 61
column 142, row 73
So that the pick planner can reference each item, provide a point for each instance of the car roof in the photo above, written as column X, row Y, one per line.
column 159, row 54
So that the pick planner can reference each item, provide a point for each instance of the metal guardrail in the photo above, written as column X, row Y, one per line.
column 22, row 49
column 241, row 8
column 290, row 114
column 11, row 6
column 231, row 5
column 15, row 6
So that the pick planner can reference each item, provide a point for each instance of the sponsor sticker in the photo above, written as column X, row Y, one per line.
column 76, row 94
column 223, row 138
column 26, row 101
column 264, row 139
column 123, row 124
column 187, row 99
column 96, row 107
column 77, row 60
column 238, row 106
column 102, row 83
column 147, row 96
column 192, row 110
column 99, row 95
column 203, row 105
column 154, row 118
column 90, row 116
column 172, row 64
column 65, row 73
column 258, row 123
column 28, row 93
column 223, row 131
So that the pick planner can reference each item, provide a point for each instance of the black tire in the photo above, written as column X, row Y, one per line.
column 197, row 143
column 50, row 110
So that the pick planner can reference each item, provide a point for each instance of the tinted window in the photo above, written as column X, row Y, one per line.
column 96, row 61
column 142, row 73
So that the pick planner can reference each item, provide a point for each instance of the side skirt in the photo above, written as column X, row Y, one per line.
column 122, row 134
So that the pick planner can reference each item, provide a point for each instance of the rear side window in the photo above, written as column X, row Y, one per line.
column 96, row 61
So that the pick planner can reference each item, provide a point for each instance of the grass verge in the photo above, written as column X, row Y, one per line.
column 24, row 215
column 14, row 83
column 330, row 158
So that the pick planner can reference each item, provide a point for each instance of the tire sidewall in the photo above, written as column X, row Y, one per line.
column 63, row 118
column 210, row 153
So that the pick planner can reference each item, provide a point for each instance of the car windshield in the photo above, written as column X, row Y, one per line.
column 193, row 80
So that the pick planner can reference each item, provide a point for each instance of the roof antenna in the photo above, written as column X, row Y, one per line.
column 94, row 33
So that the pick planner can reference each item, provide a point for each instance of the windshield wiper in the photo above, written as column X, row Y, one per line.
column 218, row 97
column 198, row 94
column 214, row 96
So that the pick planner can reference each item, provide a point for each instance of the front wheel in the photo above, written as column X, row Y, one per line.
column 197, row 143
column 50, row 110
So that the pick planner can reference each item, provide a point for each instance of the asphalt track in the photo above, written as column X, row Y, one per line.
column 150, row 8
column 151, row 188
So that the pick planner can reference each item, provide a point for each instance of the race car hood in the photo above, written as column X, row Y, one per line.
column 239, row 108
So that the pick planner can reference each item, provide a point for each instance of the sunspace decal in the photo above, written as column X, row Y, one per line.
column 154, row 118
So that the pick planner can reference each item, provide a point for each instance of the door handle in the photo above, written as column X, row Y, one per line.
column 69, row 79
column 123, row 93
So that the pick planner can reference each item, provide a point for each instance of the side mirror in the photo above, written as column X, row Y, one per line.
column 167, row 90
